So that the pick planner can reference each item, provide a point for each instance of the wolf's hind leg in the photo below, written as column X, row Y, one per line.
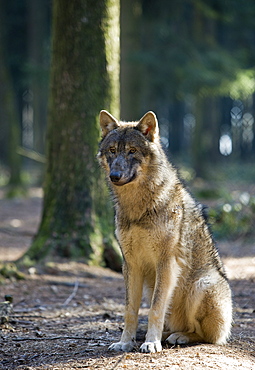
column 216, row 327
column 208, row 317
column 184, row 338
column 216, row 324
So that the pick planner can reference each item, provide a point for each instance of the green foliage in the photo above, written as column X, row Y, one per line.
column 229, row 195
column 235, row 218
column 15, row 191
column 4, row 176
column 30, row 178
column 244, row 84
column 199, row 48
column 208, row 193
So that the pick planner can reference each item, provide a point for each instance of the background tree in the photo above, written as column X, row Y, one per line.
column 9, row 116
column 77, row 219
column 195, row 55
column 38, row 68
column 130, row 66
column 189, row 61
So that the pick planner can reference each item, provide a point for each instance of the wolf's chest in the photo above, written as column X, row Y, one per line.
column 138, row 243
column 145, row 241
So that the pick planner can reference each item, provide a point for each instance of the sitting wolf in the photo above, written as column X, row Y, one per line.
column 166, row 245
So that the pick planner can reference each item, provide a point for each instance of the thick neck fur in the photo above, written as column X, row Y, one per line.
column 150, row 191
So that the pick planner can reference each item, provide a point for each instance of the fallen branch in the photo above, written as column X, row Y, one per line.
column 76, row 285
column 22, row 339
column 31, row 154
column 123, row 357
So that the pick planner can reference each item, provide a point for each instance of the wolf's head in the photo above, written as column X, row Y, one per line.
column 126, row 146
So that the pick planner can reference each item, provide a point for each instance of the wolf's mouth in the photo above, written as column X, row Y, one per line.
column 120, row 180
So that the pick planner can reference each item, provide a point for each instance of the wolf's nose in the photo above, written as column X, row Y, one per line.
column 115, row 176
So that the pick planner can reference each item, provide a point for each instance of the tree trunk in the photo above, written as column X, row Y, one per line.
column 38, row 36
column 9, row 121
column 130, row 70
column 198, row 142
column 77, row 218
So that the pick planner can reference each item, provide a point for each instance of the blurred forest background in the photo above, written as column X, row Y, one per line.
column 192, row 62
column 61, row 61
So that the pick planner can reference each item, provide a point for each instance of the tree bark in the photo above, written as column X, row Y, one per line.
column 77, row 218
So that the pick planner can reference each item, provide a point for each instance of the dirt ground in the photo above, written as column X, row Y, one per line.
column 66, row 315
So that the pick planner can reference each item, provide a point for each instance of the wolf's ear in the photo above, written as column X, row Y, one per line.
column 148, row 125
column 107, row 122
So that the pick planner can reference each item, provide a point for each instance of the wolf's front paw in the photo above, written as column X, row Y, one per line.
column 122, row 346
column 151, row 347
column 178, row 338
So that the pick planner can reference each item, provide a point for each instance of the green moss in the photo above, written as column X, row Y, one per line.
column 16, row 191
column 10, row 271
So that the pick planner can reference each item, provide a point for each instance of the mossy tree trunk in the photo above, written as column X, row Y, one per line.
column 77, row 218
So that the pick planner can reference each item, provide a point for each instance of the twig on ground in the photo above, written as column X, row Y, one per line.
column 23, row 339
column 119, row 361
column 68, row 300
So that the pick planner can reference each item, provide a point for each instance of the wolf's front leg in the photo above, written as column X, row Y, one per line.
column 134, row 287
column 166, row 279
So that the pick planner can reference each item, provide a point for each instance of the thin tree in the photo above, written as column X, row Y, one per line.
column 9, row 120
column 130, row 67
column 76, row 218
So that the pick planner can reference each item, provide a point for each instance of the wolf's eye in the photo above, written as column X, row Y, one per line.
column 112, row 150
column 132, row 150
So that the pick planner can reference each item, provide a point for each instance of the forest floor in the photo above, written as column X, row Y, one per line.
column 65, row 315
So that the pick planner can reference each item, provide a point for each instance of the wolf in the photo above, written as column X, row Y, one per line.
column 166, row 244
